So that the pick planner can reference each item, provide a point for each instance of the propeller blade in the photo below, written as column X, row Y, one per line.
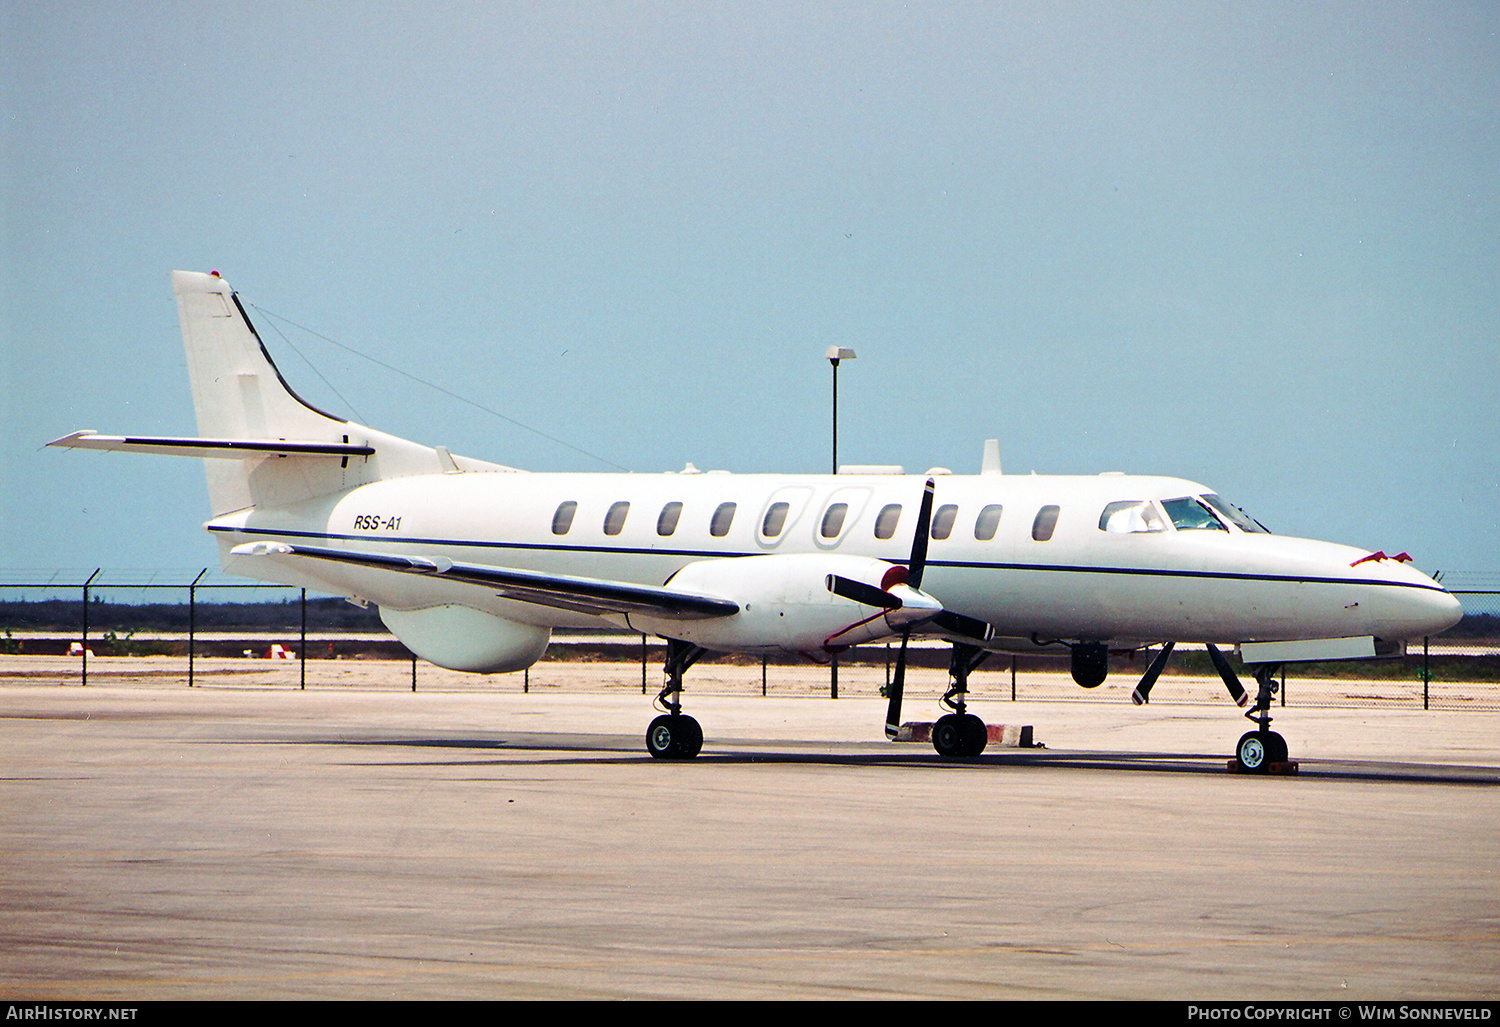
column 919, row 544
column 1142, row 693
column 859, row 592
column 898, row 682
column 1231, row 680
column 965, row 627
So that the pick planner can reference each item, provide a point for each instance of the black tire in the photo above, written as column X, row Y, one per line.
column 976, row 735
column 1252, row 754
column 690, row 740
column 948, row 735
column 1275, row 748
column 662, row 737
column 673, row 736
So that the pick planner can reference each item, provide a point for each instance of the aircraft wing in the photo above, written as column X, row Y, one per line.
column 582, row 595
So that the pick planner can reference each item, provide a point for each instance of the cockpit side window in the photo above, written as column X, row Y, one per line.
column 1189, row 514
column 1130, row 516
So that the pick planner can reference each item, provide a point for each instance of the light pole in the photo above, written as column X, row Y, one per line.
column 834, row 355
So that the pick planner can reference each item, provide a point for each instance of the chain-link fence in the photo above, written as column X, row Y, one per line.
column 202, row 630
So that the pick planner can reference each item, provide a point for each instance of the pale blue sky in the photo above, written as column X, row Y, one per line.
column 1255, row 245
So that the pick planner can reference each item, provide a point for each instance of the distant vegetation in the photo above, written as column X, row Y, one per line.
column 67, row 615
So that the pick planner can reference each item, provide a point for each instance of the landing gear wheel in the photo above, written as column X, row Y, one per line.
column 1254, row 754
column 1275, row 748
column 673, row 736
column 961, row 735
column 976, row 735
column 948, row 735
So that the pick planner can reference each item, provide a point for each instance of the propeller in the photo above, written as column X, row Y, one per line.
column 859, row 592
column 1142, row 693
column 1231, row 679
column 914, row 569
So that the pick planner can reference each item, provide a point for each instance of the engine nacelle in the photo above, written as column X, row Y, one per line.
column 786, row 605
column 463, row 638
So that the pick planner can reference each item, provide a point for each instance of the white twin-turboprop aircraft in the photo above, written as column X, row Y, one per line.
column 473, row 564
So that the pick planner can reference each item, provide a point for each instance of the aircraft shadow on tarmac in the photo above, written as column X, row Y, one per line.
column 574, row 748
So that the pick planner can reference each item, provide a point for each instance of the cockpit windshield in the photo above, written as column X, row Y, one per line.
column 1209, row 513
column 1239, row 518
column 1189, row 514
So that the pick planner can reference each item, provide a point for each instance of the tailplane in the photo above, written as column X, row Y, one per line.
column 264, row 444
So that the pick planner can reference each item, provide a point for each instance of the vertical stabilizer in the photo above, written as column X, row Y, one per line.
column 237, row 391
column 239, row 395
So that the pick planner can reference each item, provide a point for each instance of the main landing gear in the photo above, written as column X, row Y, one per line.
column 960, row 734
column 675, row 735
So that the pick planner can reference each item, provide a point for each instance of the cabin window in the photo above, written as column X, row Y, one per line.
column 614, row 521
column 833, row 520
column 1189, row 514
column 563, row 519
column 885, row 523
column 775, row 520
column 723, row 517
column 666, row 524
column 942, row 521
column 1131, row 516
column 987, row 522
column 1045, row 523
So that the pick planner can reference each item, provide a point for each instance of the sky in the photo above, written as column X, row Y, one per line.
column 1250, row 244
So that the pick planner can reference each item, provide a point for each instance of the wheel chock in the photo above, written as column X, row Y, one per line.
column 1015, row 736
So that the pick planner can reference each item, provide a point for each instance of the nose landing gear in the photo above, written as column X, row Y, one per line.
column 1261, row 751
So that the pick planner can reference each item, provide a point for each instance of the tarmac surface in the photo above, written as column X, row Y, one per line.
column 354, row 842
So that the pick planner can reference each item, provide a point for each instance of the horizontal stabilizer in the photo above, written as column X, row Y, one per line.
column 582, row 595
column 229, row 449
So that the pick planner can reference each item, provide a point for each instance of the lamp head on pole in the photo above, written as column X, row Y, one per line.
column 837, row 353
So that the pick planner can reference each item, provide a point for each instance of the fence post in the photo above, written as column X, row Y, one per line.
column 762, row 675
column 833, row 677
column 643, row 663
column 193, row 622
column 302, row 648
column 1426, row 672
column 1013, row 678
column 86, row 626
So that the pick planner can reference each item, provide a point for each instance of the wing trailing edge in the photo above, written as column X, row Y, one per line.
column 581, row 595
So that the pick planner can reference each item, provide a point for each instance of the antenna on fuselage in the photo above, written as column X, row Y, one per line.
column 990, row 464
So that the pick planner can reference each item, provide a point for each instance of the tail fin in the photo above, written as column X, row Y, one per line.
column 264, row 445
column 237, row 391
column 239, row 394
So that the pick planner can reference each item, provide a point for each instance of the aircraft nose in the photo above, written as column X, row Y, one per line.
column 1438, row 611
column 1418, row 612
